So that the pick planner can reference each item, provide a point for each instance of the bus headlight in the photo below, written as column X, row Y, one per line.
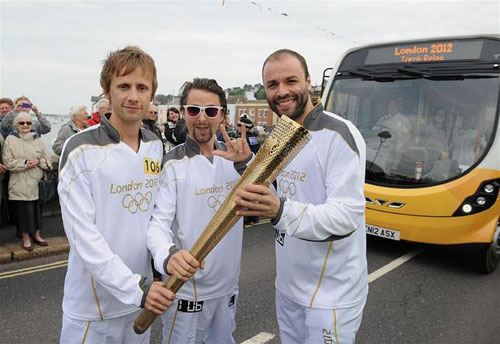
column 481, row 200
column 488, row 188
column 466, row 208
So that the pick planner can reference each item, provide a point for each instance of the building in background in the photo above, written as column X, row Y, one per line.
column 258, row 111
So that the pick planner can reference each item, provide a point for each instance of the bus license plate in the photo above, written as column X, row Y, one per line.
column 382, row 232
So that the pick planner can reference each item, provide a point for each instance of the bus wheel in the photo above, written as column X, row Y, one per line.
column 485, row 259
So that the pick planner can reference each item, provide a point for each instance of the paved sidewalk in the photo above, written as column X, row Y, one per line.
column 11, row 249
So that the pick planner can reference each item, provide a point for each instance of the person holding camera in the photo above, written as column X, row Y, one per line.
column 24, row 106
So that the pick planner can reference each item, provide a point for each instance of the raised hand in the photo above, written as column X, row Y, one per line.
column 35, row 109
column 237, row 149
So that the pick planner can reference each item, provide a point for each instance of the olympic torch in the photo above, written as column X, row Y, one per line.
column 282, row 145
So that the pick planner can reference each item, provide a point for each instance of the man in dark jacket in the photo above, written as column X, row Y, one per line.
column 251, row 138
column 254, row 147
column 149, row 122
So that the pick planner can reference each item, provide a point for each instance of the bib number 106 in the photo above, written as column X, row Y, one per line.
column 151, row 166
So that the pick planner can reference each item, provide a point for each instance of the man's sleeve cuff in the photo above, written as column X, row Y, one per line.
column 145, row 285
column 173, row 250
column 241, row 166
column 275, row 220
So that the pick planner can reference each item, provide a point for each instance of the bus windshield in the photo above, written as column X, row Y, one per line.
column 419, row 130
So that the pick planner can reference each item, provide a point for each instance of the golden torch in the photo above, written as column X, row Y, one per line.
column 286, row 140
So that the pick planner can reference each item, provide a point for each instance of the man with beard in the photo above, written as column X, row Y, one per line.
column 318, row 214
column 196, row 177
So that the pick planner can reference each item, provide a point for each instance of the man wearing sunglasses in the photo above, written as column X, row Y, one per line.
column 108, row 182
column 318, row 214
column 196, row 177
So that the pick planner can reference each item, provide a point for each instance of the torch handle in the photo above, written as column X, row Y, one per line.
column 144, row 321
column 146, row 318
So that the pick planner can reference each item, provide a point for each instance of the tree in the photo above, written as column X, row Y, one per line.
column 236, row 91
column 161, row 99
column 261, row 93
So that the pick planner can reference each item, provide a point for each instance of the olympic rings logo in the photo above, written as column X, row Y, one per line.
column 215, row 202
column 288, row 189
column 139, row 202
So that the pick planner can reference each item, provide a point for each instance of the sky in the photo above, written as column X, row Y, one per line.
column 52, row 51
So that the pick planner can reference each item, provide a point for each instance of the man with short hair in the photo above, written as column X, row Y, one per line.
column 103, row 107
column 6, row 105
column 397, row 124
column 150, row 121
column 196, row 177
column 77, row 123
column 24, row 106
column 108, row 182
column 321, row 281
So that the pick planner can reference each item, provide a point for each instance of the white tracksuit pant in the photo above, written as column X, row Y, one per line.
column 302, row 325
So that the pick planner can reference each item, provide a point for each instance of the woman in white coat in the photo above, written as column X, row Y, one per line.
column 25, row 156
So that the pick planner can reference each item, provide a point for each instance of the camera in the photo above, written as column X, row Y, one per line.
column 26, row 105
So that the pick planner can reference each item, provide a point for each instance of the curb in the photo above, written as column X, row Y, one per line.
column 13, row 252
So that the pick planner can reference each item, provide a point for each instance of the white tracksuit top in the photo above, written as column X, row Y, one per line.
column 192, row 188
column 107, row 192
column 320, row 233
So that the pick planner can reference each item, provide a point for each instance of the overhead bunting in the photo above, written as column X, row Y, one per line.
column 284, row 14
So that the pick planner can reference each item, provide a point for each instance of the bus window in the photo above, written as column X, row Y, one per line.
column 472, row 132
column 419, row 131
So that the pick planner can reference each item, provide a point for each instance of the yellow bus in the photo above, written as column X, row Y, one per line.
column 429, row 113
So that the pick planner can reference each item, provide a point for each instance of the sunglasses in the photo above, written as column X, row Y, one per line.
column 153, row 112
column 211, row 111
column 24, row 123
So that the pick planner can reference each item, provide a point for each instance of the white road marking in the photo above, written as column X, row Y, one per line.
column 264, row 337
column 394, row 264
column 261, row 338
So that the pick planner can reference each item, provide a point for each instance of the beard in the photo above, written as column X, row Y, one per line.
column 203, row 138
column 301, row 99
